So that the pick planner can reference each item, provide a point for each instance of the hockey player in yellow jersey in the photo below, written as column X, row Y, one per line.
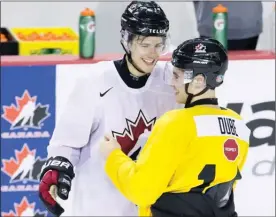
column 194, row 156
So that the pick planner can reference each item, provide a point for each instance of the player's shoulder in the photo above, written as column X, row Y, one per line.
column 93, row 74
column 231, row 113
column 97, row 71
column 181, row 112
column 174, row 116
column 175, row 122
column 83, row 71
column 234, row 115
column 88, row 78
column 203, row 110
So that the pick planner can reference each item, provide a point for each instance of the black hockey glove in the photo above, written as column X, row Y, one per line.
column 55, row 179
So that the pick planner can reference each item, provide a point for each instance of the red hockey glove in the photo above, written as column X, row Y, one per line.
column 56, row 177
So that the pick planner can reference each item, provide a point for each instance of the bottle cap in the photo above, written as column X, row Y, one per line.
column 87, row 12
column 220, row 9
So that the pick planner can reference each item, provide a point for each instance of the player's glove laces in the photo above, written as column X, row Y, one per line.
column 55, row 180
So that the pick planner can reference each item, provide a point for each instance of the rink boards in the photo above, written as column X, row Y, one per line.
column 249, row 88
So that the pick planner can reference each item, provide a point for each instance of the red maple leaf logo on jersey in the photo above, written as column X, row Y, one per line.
column 24, row 208
column 129, row 137
column 25, row 113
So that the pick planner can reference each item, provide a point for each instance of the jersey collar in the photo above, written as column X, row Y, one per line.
column 207, row 101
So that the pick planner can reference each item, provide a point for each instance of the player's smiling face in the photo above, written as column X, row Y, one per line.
column 145, row 51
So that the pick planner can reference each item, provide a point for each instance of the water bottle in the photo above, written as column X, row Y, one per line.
column 87, row 33
column 220, row 24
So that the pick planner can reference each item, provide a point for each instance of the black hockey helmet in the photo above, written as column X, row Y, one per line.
column 203, row 56
column 145, row 18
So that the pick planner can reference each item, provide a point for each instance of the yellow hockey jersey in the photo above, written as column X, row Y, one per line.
column 189, row 149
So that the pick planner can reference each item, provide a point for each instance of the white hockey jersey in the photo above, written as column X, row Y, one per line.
column 101, row 103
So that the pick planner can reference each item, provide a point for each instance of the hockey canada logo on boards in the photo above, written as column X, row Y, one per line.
column 24, row 208
column 25, row 115
column 134, row 136
column 23, row 170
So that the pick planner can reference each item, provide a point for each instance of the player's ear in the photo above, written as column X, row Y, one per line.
column 199, row 82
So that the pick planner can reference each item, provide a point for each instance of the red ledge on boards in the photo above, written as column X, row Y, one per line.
column 65, row 59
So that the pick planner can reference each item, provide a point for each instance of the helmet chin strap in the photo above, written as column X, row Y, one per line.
column 131, row 61
column 190, row 95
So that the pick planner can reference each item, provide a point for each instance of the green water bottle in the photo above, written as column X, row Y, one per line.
column 220, row 27
column 87, row 33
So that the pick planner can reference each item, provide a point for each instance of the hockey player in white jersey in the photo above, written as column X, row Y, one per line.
column 123, row 97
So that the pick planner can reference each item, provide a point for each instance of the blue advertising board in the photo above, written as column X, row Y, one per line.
column 27, row 123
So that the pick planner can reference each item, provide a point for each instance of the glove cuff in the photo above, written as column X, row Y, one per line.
column 60, row 164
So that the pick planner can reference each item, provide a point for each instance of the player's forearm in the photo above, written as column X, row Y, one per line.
column 119, row 167
column 127, row 178
column 113, row 167
column 72, row 154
